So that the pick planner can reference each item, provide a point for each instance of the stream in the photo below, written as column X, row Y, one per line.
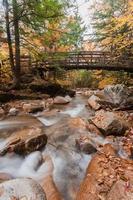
column 61, row 126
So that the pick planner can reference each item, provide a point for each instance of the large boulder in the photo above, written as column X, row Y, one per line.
column 21, row 189
column 108, row 123
column 108, row 177
column 24, row 141
column 62, row 100
column 117, row 96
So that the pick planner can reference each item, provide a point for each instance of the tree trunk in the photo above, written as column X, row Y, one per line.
column 17, row 43
column 9, row 40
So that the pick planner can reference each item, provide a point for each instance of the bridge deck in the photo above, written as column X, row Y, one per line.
column 86, row 60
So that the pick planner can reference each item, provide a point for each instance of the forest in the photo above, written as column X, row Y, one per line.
column 66, row 99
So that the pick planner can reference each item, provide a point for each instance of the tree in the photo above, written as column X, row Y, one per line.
column 113, row 26
column 21, row 15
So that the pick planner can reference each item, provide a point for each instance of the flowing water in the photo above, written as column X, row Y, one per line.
column 69, row 164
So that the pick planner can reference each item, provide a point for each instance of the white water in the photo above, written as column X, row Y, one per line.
column 75, row 111
column 48, row 122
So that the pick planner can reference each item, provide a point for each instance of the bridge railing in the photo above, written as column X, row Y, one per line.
column 73, row 60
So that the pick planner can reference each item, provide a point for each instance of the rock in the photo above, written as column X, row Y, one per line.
column 120, row 190
column 84, row 145
column 93, row 102
column 2, row 112
column 93, row 129
column 5, row 97
column 88, row 93
column 27, row 78
column 117, row 96
column 5, row 177
column 105, row 175
column 77, row 123
column 62, row 100
column 52, row 89
column 21, row 189
column 109, row 123
column 13, row 111
column 24, row 141
column 32, row 108
column 49, row 102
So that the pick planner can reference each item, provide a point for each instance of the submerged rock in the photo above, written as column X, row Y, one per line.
column 109, row 123
column 21, row 189
column 24, row 141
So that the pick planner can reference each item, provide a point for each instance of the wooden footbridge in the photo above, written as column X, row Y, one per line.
column 89, row 60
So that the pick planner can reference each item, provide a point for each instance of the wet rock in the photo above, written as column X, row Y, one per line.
column 109, row 123
column 32, row 108
column 93, row 102
column 117, row 96
column 21, row 189
column 4, row 177
column 62, row 100
column 2, row 112
column 84, row 145
column 77, row 123
column 105, row 173
column 13, row 111
column 24, row 141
